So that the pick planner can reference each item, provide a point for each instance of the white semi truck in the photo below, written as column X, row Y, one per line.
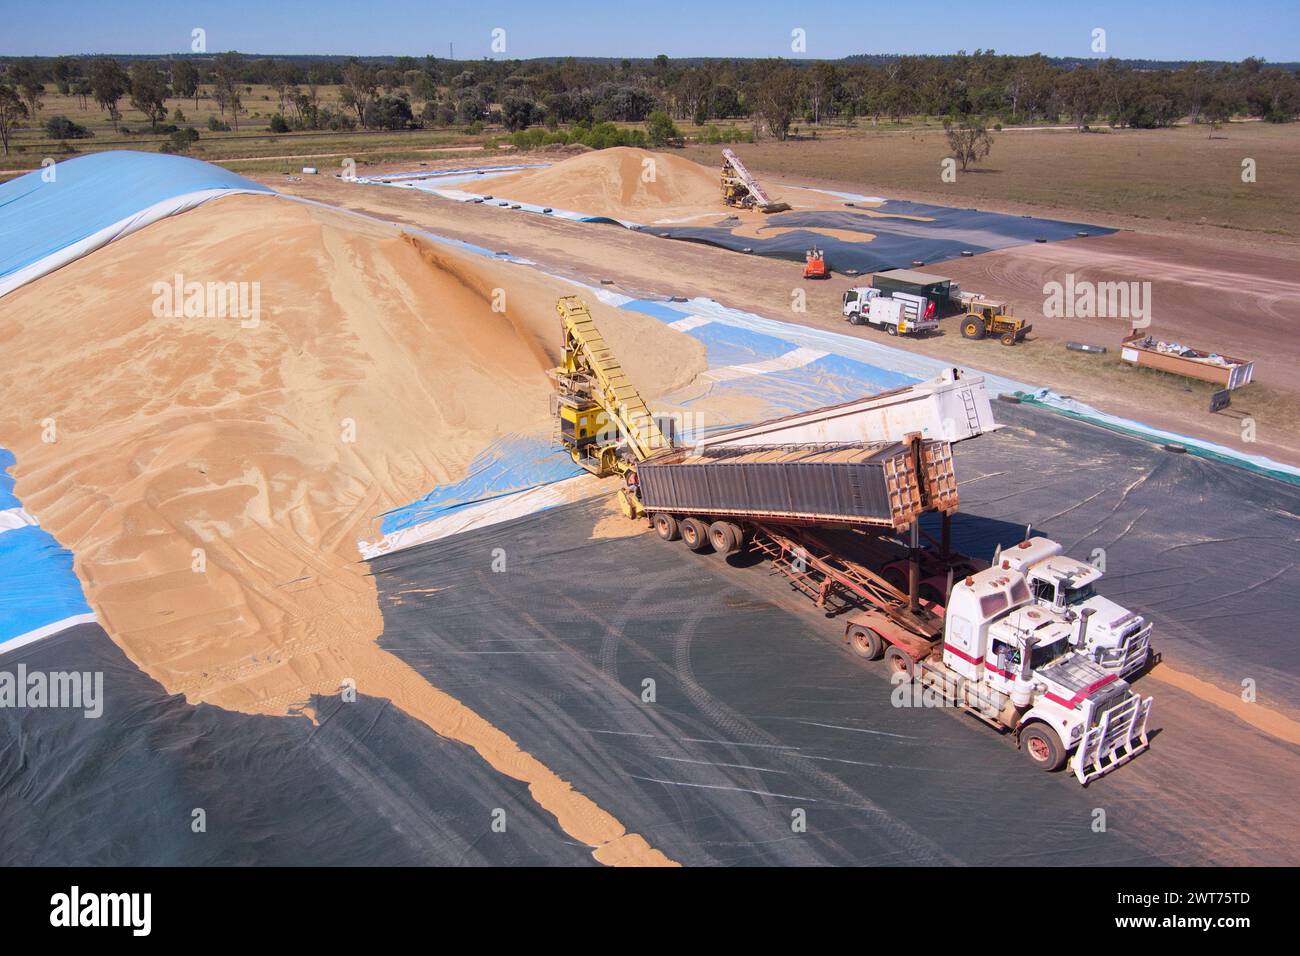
column 898, row 314
column 1012, row 663
column 1112, row 636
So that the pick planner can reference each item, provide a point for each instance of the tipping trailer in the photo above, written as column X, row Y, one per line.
column 809, row 507
column 884, row 484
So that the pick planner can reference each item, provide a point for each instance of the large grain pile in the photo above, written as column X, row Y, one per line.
column 643, row 186
column 621, row 183
column 212, row 479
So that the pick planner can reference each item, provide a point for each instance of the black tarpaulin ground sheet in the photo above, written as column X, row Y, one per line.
column 764, row 741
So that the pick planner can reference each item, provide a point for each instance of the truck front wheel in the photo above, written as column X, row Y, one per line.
column 1043, row 746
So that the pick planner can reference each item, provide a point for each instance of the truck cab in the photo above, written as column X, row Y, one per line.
column 1117, row 639
column 1012, row 662
column 856, row 301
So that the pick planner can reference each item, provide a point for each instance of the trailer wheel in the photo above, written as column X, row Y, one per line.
column 1043, row 746
column 695, row 533
column 898, row 662
column 972, row 329
column 1009, row 338
column 725, row 537
column 666, row 526
column 866, row 643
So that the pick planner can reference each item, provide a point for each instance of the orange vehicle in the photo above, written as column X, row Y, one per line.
column 815, row 265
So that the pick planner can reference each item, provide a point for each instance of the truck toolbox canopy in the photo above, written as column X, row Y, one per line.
column 910, row 277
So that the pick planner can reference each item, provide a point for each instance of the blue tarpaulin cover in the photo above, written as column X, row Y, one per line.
column 37, row 585
column 49, row 210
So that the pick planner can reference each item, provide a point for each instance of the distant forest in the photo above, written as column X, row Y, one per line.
column 408, row 92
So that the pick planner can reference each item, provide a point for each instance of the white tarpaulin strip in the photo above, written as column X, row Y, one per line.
column 782, row 363
column 12, row 518
column 690, row 322
column 47, row 630
column 487, row 513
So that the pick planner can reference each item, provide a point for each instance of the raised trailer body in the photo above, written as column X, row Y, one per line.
column 951, row 408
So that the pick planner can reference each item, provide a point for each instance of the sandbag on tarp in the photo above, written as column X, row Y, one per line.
column 50, row 217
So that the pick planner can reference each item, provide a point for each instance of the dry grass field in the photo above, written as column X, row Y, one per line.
column 1185, row 175
column 1181, row 175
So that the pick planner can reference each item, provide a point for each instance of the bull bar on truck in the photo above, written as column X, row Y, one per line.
column 1111, row 738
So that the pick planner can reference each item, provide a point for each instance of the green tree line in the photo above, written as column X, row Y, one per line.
column 773, row 94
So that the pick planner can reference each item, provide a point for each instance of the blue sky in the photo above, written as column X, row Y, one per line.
column 1156, row 29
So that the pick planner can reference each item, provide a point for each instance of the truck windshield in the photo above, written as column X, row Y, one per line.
column 1080, row 594
column 1044, row 654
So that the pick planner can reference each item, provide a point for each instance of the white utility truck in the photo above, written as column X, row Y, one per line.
column 898, row 314
column 1114, row 637
column 1012, row 663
